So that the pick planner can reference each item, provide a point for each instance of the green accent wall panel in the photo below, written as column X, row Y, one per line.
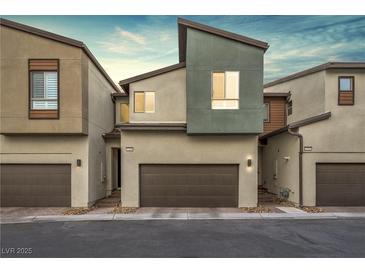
column 207, row 53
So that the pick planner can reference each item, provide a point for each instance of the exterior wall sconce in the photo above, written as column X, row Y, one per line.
column 78, row 162
column 249, row 162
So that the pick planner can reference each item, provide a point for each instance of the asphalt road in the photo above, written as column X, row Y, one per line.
column 193, row 238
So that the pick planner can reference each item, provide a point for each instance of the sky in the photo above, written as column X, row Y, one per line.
column 130, row 45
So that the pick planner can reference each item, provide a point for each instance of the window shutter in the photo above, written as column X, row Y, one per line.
column 51, row 85
column 38, row 85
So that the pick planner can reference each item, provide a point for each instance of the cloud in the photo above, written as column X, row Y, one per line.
column 136, row 38
column 296, row 42
column 115, row 47
column 120, row 69
column 165, row 37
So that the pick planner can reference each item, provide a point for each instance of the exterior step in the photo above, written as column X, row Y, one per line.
column 108, row 202
column 115, row 194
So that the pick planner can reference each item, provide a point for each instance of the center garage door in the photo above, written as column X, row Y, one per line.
column 33, row 185
column 340, row 184
column 189, row 185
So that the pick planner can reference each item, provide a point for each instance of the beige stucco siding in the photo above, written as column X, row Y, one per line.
column 16, row 48
column 100, row 121
column 307, row 94
column 286, row 171
column 170, row 98
column 339, row 139
column 345, row 130
column 51, row 149
column 86, row 112
column 177, row 147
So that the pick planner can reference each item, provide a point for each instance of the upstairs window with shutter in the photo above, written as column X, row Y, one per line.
column 44, row 93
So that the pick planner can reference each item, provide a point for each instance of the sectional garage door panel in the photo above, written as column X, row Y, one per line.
column 35, row 185
column 189, row 185
column 340, row 184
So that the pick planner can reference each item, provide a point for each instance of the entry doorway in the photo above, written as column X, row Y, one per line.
column 116, row 180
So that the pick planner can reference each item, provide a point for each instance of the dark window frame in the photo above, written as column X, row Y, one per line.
column 346, row 91
column 268, row 114
column 43, row 114
column 289, row 106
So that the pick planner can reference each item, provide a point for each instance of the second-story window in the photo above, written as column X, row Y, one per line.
column 225, row 90
column 144, row 101
column 289, row 108
column 124, row 113
column 43, row 89
column 346, row 89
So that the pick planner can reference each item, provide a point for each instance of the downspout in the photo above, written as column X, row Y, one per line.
column 300, row 136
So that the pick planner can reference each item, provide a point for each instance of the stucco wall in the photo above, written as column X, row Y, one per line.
column 170, row 98
column 16, row 47
column 206, row 53
column 177, row 147
column 51, row 149
column 287, row 171
column 339, row 139
column 307, row 95
column 100, row 120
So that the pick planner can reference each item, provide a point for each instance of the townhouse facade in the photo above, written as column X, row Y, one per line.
column 184, row 142
column 55, row 106
column 318, row 157
column 204, row 132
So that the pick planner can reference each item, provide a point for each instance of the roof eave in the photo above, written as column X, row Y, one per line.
column 183, row 24
column 325, row 66
column 295, row 125
column 125, row 83
column 60, row 39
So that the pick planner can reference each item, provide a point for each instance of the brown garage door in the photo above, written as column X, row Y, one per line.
column 189, row 185
column 340, row 184
column 35, row 185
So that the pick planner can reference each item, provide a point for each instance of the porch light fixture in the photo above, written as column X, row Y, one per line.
column 78, row 162
column 249, row 162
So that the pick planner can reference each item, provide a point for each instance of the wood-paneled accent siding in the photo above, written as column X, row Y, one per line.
column 43, row 65
column 43, row 114
column 346, row 98
column 277, row 116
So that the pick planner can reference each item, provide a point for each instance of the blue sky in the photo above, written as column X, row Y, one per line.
column 130, row 45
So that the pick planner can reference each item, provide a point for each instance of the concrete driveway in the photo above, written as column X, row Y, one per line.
column 191, row 238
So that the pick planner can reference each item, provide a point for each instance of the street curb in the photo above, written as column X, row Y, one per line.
column 186, row 217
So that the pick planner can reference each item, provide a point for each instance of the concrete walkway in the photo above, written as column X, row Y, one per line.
column 179, row 214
